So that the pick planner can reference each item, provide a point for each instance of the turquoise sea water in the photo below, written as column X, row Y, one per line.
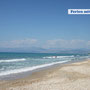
column 12, row 63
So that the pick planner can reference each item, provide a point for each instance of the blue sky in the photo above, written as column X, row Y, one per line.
column 44, row 23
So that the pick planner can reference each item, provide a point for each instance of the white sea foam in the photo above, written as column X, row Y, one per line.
column 12, row 60
column 29, row 68
column 59, row 57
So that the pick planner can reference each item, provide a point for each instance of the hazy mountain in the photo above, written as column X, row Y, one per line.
column 42, row 50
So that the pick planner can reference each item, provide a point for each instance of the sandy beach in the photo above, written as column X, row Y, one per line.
column 75, row 76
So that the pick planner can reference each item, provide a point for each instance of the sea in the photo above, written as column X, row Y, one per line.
column 15, row 63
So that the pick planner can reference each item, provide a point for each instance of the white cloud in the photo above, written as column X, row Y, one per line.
column 56, row 43
column 18, row 43
column 61, row 43
column 88, row 43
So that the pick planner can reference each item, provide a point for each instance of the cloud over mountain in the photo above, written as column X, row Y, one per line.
column 54, row 43
column 19, row 43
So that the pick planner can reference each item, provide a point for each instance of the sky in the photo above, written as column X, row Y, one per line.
column 43, row 23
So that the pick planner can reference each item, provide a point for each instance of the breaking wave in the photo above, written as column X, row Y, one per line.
column 29, row 68
column 12, row 60
column 59, row 57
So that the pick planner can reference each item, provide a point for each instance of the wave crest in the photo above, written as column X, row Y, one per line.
column 12, row 60
column 58, row 57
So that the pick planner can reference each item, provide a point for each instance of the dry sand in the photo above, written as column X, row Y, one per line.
column 74, row 76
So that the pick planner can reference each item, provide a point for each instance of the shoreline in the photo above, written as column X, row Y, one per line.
column 22, row 74
column 56, row 76
column 39, row 68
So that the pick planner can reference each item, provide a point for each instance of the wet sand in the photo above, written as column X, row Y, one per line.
column 75, row 76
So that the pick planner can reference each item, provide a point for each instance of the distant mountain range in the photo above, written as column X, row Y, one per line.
column 42, row 50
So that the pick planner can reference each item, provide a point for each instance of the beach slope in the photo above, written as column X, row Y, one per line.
column 75, row 76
